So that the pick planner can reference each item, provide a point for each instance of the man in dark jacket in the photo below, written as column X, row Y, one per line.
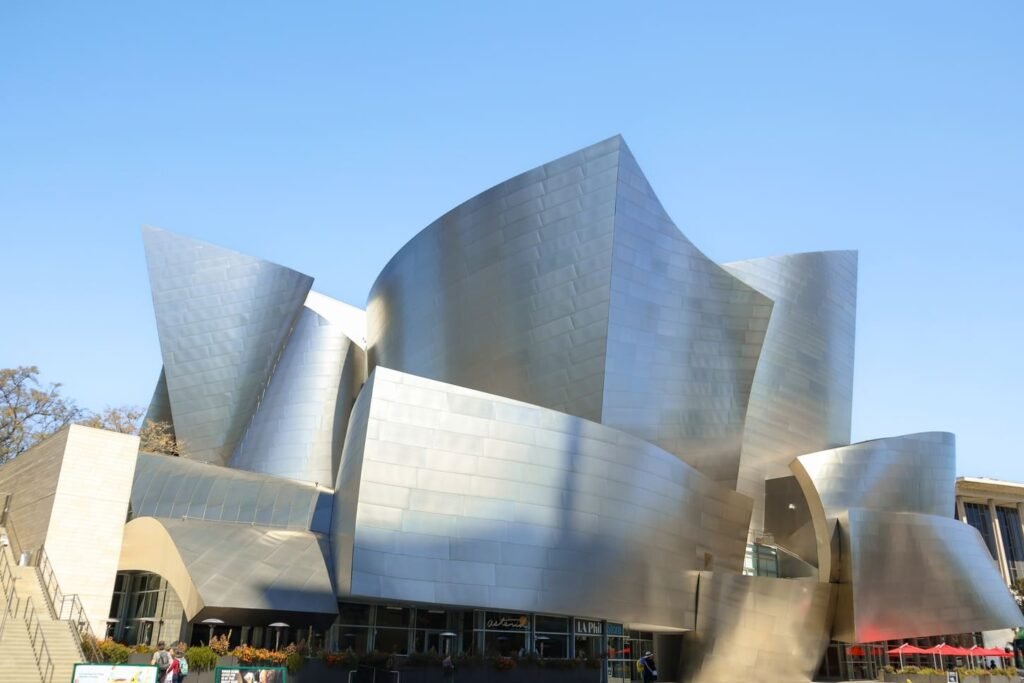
column 650, row 671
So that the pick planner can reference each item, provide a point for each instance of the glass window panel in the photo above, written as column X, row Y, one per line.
column 551, row 646
column 392, row 640
column 353, row 613
column 978, row 517
column 546, row 624
column 468, row 642
column 616, row 647
column 393, row 616
column 431, row 618
column 588, row 646
column 506, row 644
column 353, row 638
column 1013, row 539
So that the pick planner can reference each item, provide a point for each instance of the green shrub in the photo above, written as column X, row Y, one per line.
column 294, row 661
column 201, row 658
column 423, row 659
column 113, row 653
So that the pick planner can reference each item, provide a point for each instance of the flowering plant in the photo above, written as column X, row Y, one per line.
column 504, row 663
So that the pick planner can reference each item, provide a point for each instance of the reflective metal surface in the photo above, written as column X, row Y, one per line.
column 160, row 405
column 752, row 628
column 570, row 288
column 802, row 397
column 881, row 515
column 222, row 318
column 905, row 574
column 454, row 496
column 169, row 487
column 684, row 337
column 909, row 473
column 299, row 428
column 640, row 400
column 215, row 566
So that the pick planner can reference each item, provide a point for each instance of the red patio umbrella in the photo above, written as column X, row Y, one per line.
column 995, row 652
column 944, row 650
column 906, row 649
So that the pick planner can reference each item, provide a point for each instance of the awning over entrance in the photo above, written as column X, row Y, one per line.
column 218, row 566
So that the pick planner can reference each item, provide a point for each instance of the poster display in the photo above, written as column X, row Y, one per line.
column 113, row 673
column 250, row 674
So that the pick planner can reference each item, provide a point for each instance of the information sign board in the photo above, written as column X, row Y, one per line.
column 113, row 673
column 250, row 674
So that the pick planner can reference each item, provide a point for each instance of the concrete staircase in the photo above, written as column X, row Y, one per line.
column 17, row 656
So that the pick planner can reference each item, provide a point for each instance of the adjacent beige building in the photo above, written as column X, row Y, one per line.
column 69, row 495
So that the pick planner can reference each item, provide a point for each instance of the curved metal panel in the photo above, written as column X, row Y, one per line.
column 222, row 318
column 568, row 287
column 299, row 427
column 909, row 473
column 752, row 628
column 909, row 575
column 684, row 337
column 458, row 497
column 802, row 396
column 169, row 487
column 218, row 566
column 508, row 292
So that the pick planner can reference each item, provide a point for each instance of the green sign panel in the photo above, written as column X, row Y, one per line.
column 250, row 674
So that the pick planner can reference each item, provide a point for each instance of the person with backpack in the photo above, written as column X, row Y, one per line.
column 648, row 670
column 182, row 666
column 174, row 670
column 161, row 660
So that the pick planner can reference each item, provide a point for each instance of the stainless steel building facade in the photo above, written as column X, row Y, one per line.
column 557, row 417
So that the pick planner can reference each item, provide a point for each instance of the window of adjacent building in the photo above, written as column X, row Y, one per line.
column 978, row 517
column 1013, row 540
column 551, row 640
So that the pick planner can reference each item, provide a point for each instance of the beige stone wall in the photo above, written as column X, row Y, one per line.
column 88, row 515
column 172, row 612
column 31, row 480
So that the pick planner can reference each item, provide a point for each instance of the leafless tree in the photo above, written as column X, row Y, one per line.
column 30, row 411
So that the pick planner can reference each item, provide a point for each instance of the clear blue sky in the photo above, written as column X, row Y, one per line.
column 323, row 136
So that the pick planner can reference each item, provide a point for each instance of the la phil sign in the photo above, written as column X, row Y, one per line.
column 588, row 627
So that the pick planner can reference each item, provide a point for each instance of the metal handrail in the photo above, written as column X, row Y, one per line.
column 11, row 603
column 38, row 639
column 69, row 605
column 8, row 524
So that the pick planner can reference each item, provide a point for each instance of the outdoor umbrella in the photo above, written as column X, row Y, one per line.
column 908, row 649
column 944, row 650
